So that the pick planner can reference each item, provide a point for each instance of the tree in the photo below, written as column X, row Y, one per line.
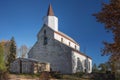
column 94, row 68
column 12, row 54
column 6, row 46
column 23, row 50
column 102, row 67
column 110, row 17
column 2, row 61
column 105, row 66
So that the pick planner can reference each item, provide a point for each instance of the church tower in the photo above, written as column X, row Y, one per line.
column 50, row 20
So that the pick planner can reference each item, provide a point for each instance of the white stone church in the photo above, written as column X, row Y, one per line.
column 58, row 49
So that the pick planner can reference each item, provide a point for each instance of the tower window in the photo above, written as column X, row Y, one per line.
column 44, row 32
column 45, row 40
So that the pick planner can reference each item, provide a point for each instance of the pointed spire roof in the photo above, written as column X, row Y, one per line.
column 50, row 11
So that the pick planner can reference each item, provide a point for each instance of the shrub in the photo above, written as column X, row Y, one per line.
column 45, row 76
column 79, row 74
column 56, row 75
column 117, row 75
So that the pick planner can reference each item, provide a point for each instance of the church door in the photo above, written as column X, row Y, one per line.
column 20, row 66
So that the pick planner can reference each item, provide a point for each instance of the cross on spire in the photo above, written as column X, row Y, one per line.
column 50, row 11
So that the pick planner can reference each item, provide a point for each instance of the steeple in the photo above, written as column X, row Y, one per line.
column 50, row 19
column 50, row 11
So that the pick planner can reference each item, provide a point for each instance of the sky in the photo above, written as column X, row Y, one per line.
column 24, row 18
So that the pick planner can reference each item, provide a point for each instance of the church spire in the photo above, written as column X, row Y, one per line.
column 50, row 11
column 50, row 20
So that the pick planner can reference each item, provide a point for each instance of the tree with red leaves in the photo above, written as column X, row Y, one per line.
column 110, row 17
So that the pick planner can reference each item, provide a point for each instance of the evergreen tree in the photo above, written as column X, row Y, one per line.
column 103, row 67
column 94, row 68
column 110, row 17
column 12, row 54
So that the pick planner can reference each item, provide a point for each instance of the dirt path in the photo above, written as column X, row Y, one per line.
column 24, row 77
column 21, row 77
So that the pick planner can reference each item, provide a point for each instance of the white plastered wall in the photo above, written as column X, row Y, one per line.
column 52, row 22
column 66, row 41
column 75, row 56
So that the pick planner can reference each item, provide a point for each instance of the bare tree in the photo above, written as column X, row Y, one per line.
column 22, row 51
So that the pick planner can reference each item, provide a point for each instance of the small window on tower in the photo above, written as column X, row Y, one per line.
column 45, row 40
column 44, row 32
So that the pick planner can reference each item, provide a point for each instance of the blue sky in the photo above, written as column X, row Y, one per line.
column 23, row 19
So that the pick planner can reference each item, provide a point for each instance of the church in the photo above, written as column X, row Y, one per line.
column 58, row 49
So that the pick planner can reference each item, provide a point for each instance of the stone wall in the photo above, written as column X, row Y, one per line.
column 24, row 65
column 57, row 54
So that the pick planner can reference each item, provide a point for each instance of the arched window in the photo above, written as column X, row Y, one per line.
column 85, row 63
column 45, row 38
column 89, row 65
column 79, row 65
